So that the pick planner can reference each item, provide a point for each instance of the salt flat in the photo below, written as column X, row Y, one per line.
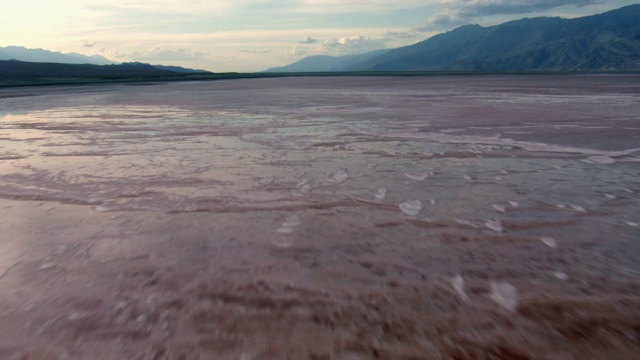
column 331, row 218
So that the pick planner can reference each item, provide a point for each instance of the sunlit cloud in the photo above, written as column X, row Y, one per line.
column 297, row 51
column 352, row 45
column 166, row 54
column 308, row 40
column 256, row 51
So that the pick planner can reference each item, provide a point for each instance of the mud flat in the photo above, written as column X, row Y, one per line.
column 453, row 217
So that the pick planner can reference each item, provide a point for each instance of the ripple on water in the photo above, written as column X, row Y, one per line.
column 381, row 194
column 411, row 207
column 337, row 177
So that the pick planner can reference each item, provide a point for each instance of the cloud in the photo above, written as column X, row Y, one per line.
column 472, row 8
column 297, row 51
column 400, row 35
column 308, row 40
column 349, row 45
column 355, row 6
column 88, row 45
column 256, row 51
column 453, row 13
column 166, row 54
column 352, row 45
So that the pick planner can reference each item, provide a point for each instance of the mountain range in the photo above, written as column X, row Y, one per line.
column 603, row 42
column 46, row 56
column 22, row 54
column 17, row 73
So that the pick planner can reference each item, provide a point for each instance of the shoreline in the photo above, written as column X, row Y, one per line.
column 4, row 84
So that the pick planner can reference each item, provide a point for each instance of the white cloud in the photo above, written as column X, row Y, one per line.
column 400, row 35
column 308, row 40
column 162, row 6
column 297, row 51
column 165, row 54
column 352, row 45
column 256, row 51
column 357, row 6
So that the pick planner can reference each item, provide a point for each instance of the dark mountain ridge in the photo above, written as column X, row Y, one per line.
column 603, row 42
column 20, row 53
column 13, row 72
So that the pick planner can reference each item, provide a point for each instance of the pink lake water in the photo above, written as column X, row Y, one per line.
column 435, row 217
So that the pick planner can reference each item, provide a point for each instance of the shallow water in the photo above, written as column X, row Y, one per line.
column 347, row 217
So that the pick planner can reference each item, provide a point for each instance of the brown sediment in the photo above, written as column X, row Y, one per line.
column 154, row 298
column 532, row 224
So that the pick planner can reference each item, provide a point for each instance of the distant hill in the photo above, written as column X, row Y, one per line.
column 604, row 42
column 46, row 56
column 14, row 72
column 323, row 63
column 180, row 69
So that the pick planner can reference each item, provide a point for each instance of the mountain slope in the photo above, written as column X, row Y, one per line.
column 604, row 42
column 180, row 69
column 39, row 55
column 323, row 63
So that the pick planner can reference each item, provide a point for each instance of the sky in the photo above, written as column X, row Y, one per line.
column 254, row 35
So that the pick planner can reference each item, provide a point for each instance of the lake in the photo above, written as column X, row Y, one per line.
column 424, row 217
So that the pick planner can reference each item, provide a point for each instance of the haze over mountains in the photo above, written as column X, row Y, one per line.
column 16, row 61
column 604, row 42
column 46, row 56
column 22, row 66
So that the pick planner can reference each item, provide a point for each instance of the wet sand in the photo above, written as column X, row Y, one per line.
column 453, row 217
